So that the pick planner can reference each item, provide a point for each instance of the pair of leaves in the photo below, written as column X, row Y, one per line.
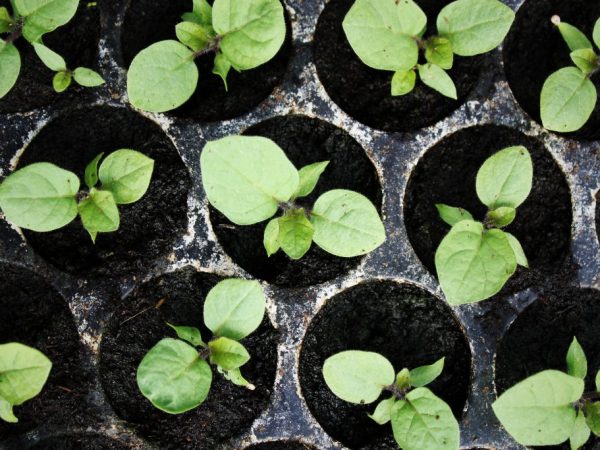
column 247, row 178
column 175, row 377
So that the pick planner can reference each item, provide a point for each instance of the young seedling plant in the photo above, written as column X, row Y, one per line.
column 43, row 197
column 23, row 373
column 242, row 35
column 568, row 96
column 32, row 19
column 176, row 375
column 476, row 259
column 389, row 35
column 550, row 407
column 249, row 178
column 420, row 420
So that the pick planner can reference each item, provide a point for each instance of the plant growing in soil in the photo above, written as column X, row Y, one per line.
column 476, row 259
column 568, row 96
column 242, row 35
column 249, row 178
column 175, row 374
column 420, row 420
column 43, row 197
column 388, row 35
column 23, row 373
column 32, row 19
column 550, row 407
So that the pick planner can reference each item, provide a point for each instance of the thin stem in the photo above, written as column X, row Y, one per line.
column 16, row 33
column 212, row 47
column 398, row 393
column 594, row 395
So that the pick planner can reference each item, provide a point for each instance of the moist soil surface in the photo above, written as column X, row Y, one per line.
column 228, row 411
column 149, row 21
column 365, row 94
column 446, row 174
column 34, row 314
column 305, row 141
column 281, row 445
column 540, row 337
column 79, row 442
column 534, row 49
column 408, row 326
column 76, row 42
column 148, row 227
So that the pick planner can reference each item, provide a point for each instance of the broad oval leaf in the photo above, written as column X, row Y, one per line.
column 581, row 432
column 576, row 361
column 437, row 79
column 194, row 35
column 126, row 174
column 309, row 177
column 592, row 416
column 227, row 353
column 586, row 59
column 357, row 376
column 422, row 376
column 174, row 377
column 346, row 224
column 61, row 81
column 501, row 216
column 452, row 214
column 50, row 58
column 99, row 213
column 382, row 413
column 246, row 177
column 295, row 234
column 403, row 82
column 10, row 66
column 413, row 20
column 162, row 77
column 596, row 33
column 43, row 16
column 438, row 51
column 40, row 197
column 87, row 77
column 271, row 237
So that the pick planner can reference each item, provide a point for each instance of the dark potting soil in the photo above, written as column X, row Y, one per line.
column 305, row 141
column 540, row 337
column 76, row 42
column 364, row 93
column 79, row 442
column 149, row 21
column 402, row 322
column 534, row 49
column 281, row 445
column 228, row 411
column 148, row 227
column 446, row 174
column 34, row 314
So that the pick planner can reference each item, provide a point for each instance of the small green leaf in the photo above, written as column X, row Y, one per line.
column 309, row 177
column 87, row 77
column 99, row 212
column 203, row 10
column 452, row 215
column 437, row 79
column 227, row 353
column 44, row 16
column 411, row 17
column 580, row 433
column 382, row 412
column 271, row 237
column 50, row 58
column 61, row 81
column 438, row 51
column 596, row 33
column 126, row 174
column 189, row 334
column 574, row 38
column 295, row 233
column 422, row 376
column 576, row 360
column 221, row 67
column 502, row 216
column 6, row 412
column 518, row 249
column 598, row 381
column 10, row 66
column 403, row 82
column 403, row 379
column 585, row 59
column 357, row 376
column 235, row 376
column 91, row 171
column 193, row 35
column 592, row 417
column 5, row 20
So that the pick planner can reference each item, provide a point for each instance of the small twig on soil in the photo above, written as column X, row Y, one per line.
column 158, row 305
column 65, row 389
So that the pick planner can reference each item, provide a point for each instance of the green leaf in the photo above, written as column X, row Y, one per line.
column 203, row 10
column 5, row 20
column 539, row 410
column 91, row 171
column 424, row 422
column 227, row 353
column 376, row 33
column 61, row 81
column 40, row 197
column 193, row 35
column 24, row 371
column 162, row 77
column 576, row 361
column 403, row 82
column 382, row 412
column 309, row 177
column 581, row 432
column 567, row 100
column 126, row 174
column 295, row 233
column 357, row 376
column 252, row 34
column 596, row 33
column 234, row 308
column 99, row 213
column 235, row 376
column 437, row 79
column 50, row 58
column 452, row 214
column 502, row 216
column 422, row 376
column 585, row 59
column 473, row 264
column 403, row 379
column 411, row 17
column 518, row 249
column 174, row 377
column 505, row 178
column 475, row 26
column 44, row 16
column 87, row 77
column 598, row 381
column 438, row 51
column 10, row 66
column 346, row 224
column 574, row 38
column 189, row 334
column 271, row 237
column 246, row 177
column 592, row 417
column 221, row 67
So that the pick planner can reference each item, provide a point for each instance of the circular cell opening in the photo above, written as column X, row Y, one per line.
column 148, row 227
column 540, row 337
column 534, row 49
column 76, row 42
column 228, row 411
column 404, row 323
column 305, row 141
column 34, row 314
column 148, row 21
column 446, row 174
column 87, row 441
column 364, row 93
column 281, row 445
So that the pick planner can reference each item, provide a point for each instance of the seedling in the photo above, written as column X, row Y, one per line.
column 550, row 407
column 23, row 373
column 43, row 197
column 476, row 259
column 32, row 19
column 249, row 178
column 242, row 35
column 176, row 377
column 388, row 35
column 568, row 96
column 420, row 420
